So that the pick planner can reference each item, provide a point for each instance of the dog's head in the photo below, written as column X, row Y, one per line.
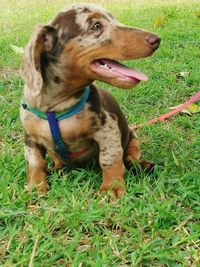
column 83, row 44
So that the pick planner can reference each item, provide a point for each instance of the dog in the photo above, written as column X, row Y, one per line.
column 63, row 113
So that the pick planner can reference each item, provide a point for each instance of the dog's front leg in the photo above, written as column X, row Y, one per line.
column 111, row 157
column 36, row 167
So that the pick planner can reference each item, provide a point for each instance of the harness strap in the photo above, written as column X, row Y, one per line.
column 63, row 114
column 79, row 154
column 60, row 146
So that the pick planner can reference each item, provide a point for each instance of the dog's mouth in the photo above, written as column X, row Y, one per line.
column 109, row 68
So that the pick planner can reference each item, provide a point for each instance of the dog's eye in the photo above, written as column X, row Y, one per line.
column 97, row 26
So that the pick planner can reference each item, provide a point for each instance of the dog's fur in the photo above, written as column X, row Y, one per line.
column 56, row 68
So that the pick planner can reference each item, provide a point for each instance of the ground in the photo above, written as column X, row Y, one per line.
column 157, row 221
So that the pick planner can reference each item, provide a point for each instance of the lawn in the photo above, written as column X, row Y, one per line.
column 157, row 223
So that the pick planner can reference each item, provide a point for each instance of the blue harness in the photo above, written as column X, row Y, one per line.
column 53, row 119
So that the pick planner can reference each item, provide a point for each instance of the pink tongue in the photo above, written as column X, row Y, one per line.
column 120, row 68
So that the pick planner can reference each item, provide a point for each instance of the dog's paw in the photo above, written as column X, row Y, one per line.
column 143, row 165
column 147, row 165
column 42, row 188
column 115, row 189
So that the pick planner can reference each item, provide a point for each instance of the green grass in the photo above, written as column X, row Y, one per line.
column 157, row 223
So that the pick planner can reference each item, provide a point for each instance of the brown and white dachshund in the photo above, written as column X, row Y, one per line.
column 80, row 45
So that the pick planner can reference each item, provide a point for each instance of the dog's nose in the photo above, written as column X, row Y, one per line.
column 153, row 40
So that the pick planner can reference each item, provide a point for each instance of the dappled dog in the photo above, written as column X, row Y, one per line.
column 62, row 112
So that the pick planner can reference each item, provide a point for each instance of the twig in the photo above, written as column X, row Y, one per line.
column 33, row 251
column 183, row 223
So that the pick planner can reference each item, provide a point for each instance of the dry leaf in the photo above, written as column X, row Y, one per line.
column 192, row 108
column 186, row 112
column 182, row 74
column 198, row 14
column 159, row 22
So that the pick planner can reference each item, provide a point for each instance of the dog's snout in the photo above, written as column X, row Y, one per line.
column 153, row 40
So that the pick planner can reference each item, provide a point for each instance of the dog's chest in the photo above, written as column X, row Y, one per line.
column 76, row 131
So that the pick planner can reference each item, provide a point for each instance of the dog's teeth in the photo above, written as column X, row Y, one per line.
column 112, row 69
column 105, row 66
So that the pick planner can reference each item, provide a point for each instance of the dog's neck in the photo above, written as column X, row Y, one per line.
column 52, row 99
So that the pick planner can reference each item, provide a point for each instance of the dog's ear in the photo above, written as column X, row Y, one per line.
column 35, row 55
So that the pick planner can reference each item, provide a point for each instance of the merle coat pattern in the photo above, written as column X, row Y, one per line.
column 80, row 45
